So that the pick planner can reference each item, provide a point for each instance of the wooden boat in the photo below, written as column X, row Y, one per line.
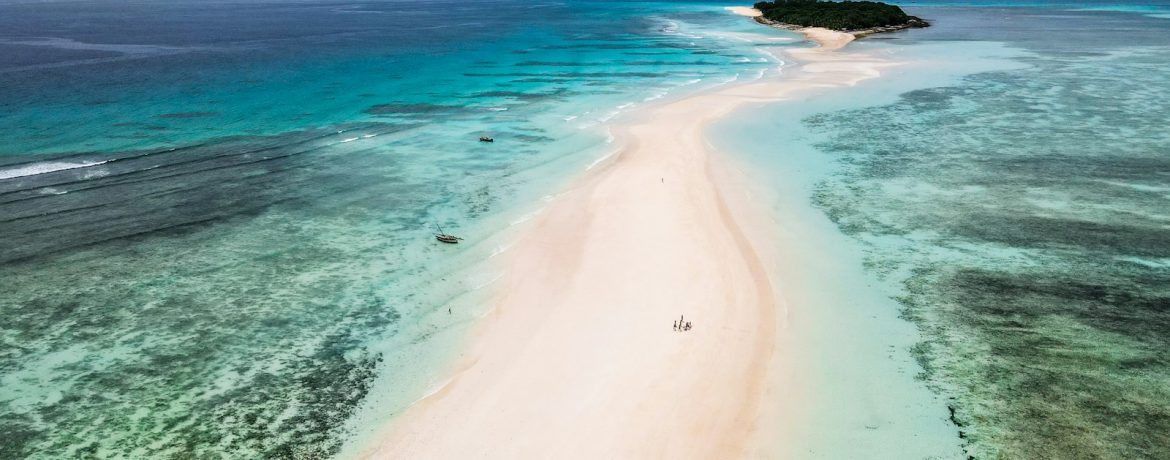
column 444, row 237
column 486, row 139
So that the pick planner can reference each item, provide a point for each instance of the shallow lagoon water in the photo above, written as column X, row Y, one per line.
column 1018, row 214
column 268, row 288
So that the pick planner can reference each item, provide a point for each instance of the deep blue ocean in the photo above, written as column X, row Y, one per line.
column 216, row 216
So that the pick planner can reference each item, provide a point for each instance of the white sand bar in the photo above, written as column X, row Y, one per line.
column 579, row 359
column 744, row 11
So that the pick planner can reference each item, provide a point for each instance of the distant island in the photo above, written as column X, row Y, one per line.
column 856, row 17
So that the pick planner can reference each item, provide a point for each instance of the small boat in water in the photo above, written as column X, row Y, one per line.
column 444, row 237
column 486, row 139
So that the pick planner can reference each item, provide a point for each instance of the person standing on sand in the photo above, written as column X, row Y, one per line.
column 676, row 325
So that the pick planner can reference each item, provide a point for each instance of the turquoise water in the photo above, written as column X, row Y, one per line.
column 1018, row 212
column 217, row 226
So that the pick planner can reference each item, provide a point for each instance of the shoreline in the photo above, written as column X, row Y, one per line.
column 826, row 39
column 575, row 359
column 758, row 16
column 857, row 33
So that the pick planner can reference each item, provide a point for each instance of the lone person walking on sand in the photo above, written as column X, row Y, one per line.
column 676, row 325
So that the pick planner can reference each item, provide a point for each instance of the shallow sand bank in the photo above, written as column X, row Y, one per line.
column 578, row 360
column 825, row 38
column 744, row 11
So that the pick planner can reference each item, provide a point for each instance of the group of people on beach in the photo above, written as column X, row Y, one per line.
column 681, row 325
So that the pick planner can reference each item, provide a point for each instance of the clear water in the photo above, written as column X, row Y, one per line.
column 1020, row 214
column 216, row 217
column 216, row 227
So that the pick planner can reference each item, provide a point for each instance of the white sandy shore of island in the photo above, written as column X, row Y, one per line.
column 744, row 11
column 578, row 359
column 825, row 38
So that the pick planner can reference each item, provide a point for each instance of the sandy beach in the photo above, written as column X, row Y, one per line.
column 744, row 11
column 579, row 358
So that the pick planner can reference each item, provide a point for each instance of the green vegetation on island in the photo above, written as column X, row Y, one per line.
column 839, row 15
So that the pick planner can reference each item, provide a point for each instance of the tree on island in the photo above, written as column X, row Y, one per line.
column 845, row 15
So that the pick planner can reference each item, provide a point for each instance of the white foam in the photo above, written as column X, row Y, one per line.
column 367, row 136
column 499, row 250
column 657, row 95
column 1148, row 262
column 433, row 389
column 1139, row 187
column 671, row 28
column 497, row 109
column 570, row 118
column 350, row 139
column 43, row 168
column 615, row 112
column 525, row 218
column 94, row 173
column 599, row 160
